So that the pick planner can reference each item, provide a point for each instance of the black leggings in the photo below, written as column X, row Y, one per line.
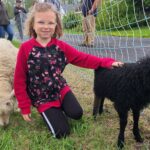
column 56, row 118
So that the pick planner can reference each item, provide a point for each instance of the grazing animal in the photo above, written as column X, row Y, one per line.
column 128, row 87
column 8, row 55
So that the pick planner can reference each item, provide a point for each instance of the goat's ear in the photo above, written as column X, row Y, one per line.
column 12, row 94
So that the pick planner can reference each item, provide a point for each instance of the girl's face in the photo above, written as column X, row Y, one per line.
column 44, row 24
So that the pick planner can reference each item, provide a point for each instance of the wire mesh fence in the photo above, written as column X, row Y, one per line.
column 121, row 31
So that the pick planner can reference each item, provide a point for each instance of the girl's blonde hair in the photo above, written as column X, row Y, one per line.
column 42, row 7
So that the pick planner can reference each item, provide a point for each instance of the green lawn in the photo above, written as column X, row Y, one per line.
column 134, row 32
column 86, row 134
column 142, row 32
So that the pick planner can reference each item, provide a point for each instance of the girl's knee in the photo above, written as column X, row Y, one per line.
column 77, row 115
column 62, row 133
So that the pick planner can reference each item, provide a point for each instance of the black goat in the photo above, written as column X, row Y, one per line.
column 129, row 88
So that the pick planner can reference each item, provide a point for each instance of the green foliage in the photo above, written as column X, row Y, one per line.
column 16, row 43
column 28, row 4
column 140, row 4
column 120, row 15
column 72, row 20
column 147, row 3
column 9, row 10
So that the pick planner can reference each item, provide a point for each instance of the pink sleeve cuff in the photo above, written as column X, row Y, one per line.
column 25, row 111
column 107, row 63
column 110, row 63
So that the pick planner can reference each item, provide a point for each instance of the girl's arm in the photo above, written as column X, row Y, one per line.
column 20, row 78
column 85, row 60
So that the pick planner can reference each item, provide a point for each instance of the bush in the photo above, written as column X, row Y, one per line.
column 120, row 15
column 72, row 20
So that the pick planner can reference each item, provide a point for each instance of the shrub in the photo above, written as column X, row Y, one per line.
column 118, row 15
column 72, row 20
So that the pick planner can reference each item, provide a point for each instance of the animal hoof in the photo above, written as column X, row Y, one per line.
column 100, row 111
column 139, row 139
column 94, row 117
column 105, row 111
column 120, row 144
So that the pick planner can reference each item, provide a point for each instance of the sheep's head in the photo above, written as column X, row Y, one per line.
column 6, row 107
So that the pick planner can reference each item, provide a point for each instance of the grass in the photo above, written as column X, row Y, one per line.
column 86, row 134
column 143, row 32
column 134, row 32
column 16, row 43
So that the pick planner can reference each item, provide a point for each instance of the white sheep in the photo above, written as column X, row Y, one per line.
column 8, row 55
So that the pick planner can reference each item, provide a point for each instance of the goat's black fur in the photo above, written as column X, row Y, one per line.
column 129, row 88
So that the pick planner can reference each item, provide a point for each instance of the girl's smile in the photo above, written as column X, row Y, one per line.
column 44, row 25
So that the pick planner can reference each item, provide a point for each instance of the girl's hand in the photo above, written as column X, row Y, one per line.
column 117, row 64
column 27, row 117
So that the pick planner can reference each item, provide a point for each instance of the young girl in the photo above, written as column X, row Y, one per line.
column 38, row 79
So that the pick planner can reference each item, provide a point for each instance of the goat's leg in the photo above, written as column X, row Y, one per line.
column 101, row 105
column 97, row 106
column 136, row 131
column 123, row 122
